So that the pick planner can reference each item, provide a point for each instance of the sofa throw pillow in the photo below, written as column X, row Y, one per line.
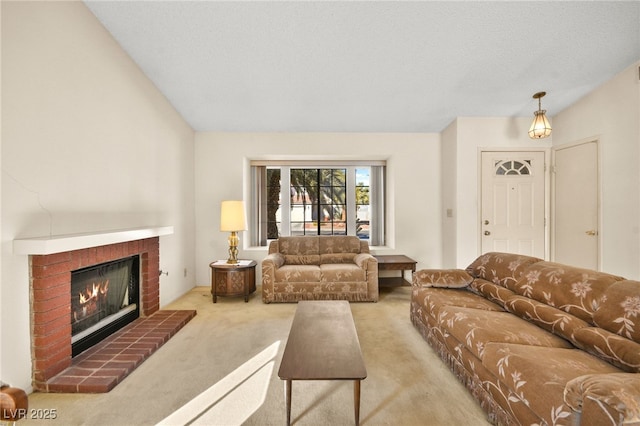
column 444, row 278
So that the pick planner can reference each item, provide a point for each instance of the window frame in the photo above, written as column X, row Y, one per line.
column 258, row 196
column 321, row 187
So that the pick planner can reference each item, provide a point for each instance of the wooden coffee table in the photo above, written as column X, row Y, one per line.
column 323, row 345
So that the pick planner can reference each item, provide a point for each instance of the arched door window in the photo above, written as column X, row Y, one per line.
column 512, row 167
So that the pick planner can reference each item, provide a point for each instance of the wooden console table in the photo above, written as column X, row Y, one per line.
column 395, row 262
column 233, row 279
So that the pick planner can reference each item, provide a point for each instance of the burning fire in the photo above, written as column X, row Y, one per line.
column 90, row 298
column 92, row 293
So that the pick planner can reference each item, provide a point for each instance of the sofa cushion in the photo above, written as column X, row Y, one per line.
column 619, row 312
column 501, row 268
column 298, row 273
column 619, row 351
column 537, row 375
column 574, row 290
column 551, row 319
column 331, row 244
column 288, row 291
column 299, row 250
column 347, row 272
column 302, row 259
column 337, row 258
column 476, row 328
column 494, row 292
column 445, row 278
column 433, row 299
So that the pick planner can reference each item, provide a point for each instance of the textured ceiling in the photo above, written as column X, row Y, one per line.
column 370, row 66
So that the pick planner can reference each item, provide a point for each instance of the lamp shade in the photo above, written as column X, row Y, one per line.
column 232, row 216
column 540, row 128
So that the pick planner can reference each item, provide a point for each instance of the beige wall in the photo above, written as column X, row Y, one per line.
column 413, row 185
column 611, row 114
column 88, row 144
column 466, row 138
column 449, row 189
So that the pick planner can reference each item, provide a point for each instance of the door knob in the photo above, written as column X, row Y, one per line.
column 591, row 232
column 487, row 233
column 486, row 222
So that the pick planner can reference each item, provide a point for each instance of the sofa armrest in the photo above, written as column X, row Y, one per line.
column 366, row 261
column 444, row 278
column 369, row 263
column 605, row 398
column 269, row 266
column 274, row 260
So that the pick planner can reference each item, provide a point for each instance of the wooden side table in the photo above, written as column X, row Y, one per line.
column 233, row 279
column 395, row 262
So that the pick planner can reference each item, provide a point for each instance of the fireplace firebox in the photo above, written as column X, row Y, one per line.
column 104, row 298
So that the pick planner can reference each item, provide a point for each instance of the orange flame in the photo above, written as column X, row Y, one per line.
column 91, row 292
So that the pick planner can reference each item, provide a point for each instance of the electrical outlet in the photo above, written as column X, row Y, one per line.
column 185, row 272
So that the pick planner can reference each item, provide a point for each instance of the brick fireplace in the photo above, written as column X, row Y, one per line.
column 51, row 300
column 104, row 365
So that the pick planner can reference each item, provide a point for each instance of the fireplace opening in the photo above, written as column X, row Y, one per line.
column 104, row 298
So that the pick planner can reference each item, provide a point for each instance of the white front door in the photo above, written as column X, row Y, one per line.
column 513, row 202
column 575, row 205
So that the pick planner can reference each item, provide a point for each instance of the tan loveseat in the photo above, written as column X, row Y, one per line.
column 536, row 342
column 319, row 268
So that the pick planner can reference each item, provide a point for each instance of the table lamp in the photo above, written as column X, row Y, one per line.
column 232, row 219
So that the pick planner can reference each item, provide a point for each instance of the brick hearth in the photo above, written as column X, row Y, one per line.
column 101, row 367
column 51, row 308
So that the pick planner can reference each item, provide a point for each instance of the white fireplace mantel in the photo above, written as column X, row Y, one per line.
column 62, row 243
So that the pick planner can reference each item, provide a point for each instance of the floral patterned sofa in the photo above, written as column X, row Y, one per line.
column 319, row 268
column 536, row 342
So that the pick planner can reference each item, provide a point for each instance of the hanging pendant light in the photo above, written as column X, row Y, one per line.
column 540, row 128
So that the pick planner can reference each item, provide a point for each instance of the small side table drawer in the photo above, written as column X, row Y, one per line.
column 233, row 279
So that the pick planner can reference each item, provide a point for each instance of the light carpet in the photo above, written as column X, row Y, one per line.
column 222, row 369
